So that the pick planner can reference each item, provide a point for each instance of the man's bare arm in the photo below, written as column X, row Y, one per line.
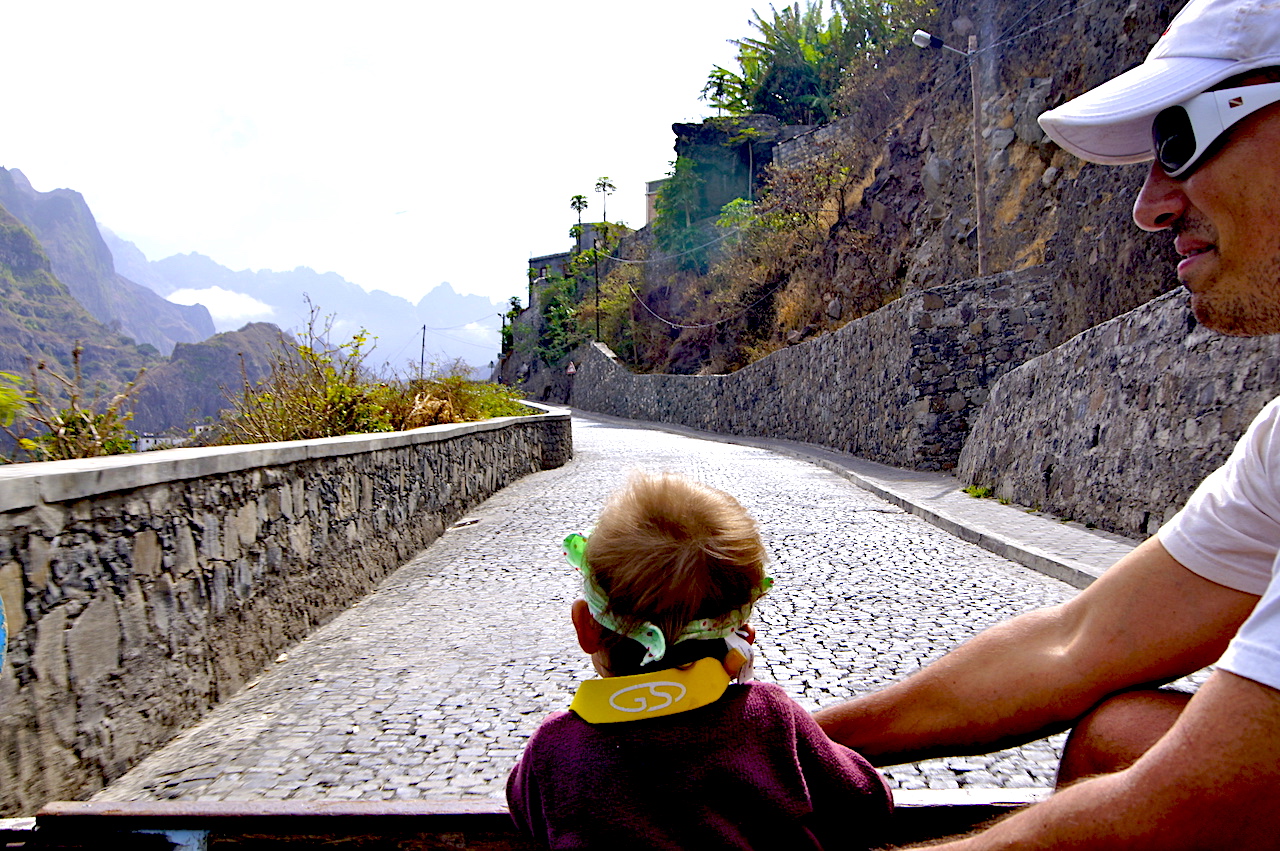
column 1148, row 619
column 1210, row 782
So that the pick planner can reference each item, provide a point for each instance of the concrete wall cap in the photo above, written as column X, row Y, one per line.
column 24, row 485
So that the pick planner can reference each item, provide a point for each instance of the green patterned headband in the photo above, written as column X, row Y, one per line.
column 649, row 635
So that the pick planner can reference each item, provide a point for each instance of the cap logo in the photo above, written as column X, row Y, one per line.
column 1235, row 101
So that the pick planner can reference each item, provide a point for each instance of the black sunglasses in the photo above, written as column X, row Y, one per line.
column 1183, row 134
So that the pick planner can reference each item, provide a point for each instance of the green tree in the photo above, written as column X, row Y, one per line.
column 560, row 333
column 508, row 325
column 792, row 69
column 605, row 186
column 578, row 203
column 678, row 208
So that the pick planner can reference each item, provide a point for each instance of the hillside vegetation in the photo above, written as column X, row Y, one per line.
column 40, row 320
column 753, row 251
column 65, row 227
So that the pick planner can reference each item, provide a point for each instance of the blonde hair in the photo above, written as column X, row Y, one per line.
column 669, row 550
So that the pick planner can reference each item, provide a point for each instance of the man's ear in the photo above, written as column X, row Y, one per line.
column 588, row 628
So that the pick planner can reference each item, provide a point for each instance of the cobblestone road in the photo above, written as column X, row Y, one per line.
column 430, row 686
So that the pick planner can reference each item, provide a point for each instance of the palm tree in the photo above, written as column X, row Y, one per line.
column 605, row 186
column 579, row 203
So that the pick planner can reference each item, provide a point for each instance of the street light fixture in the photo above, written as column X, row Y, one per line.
column 925, row 40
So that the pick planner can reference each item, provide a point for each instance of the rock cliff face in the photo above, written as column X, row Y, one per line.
column 903, row 219
column 910, row 221
column 196, row 381
column 728, row 152
column 41, row 321
column 63, row 224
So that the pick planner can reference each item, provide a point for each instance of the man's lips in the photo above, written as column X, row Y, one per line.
column 1189, row 245
column 1190, row 250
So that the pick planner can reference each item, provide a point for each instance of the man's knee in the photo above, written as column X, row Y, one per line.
column 1117, row 731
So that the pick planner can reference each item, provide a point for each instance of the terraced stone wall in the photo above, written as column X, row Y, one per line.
column 898, row 386
column 1118, row 425
column 139, row 590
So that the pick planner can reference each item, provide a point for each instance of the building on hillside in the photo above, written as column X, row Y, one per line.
column 651, row 199
column 549, row 265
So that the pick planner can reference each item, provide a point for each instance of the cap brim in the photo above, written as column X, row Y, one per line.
column 1111, row 124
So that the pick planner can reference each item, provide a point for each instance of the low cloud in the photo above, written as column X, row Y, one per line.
column 225, row 306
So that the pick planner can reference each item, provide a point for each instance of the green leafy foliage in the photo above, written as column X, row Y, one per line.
column 793, row 68
column 52, row 432
column 318, row 389
column 560, row 330
column 315, row 389
column 508, row 327
column 606, row 188
column 735, row 216
column 12, row 400
column 471, row 400
column 677, row 214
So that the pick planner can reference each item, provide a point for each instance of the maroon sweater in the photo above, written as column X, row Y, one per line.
column 751, row 770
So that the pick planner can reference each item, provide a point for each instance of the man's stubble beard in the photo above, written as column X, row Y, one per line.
column 1251, row 312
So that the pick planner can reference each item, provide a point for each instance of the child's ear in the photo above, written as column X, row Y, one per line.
column 588, row 628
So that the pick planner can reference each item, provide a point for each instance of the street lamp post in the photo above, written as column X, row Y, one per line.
column 925, row 40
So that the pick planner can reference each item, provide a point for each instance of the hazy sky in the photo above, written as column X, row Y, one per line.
column 399, row 144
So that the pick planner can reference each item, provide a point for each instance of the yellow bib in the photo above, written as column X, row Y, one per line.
column 651, row 695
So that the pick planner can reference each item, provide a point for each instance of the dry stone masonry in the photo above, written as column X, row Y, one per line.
column 1117, row 426
column 140, row 590
column 1114, row 428
column 898, row 386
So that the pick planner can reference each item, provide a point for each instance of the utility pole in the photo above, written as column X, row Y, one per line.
column 604, row 186
column 595, row 262
column 923, row 39
column 979, row 167
column 422, row 358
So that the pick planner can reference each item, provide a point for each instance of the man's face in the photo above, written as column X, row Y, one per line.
column 1225, row 219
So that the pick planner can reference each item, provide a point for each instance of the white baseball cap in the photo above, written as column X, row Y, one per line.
column 1208, row 41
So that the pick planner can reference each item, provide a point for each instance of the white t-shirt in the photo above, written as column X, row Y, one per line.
column 1229, row 533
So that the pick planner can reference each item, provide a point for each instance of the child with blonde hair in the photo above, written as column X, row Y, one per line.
column 665, row 750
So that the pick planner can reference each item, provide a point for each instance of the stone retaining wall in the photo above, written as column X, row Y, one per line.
column 898, row 386
column 1118, row 425
column 139, row 590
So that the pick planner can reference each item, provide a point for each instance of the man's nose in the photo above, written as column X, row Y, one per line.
column 1160, row 202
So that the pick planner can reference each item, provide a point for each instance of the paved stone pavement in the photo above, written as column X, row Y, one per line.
column 430, row 686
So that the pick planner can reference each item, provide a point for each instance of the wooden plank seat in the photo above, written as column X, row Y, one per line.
column 425, row 824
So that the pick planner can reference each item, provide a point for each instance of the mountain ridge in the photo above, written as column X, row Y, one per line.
column 284, row 298
column 41, row 321
column 195, row 382
column 66, row 229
